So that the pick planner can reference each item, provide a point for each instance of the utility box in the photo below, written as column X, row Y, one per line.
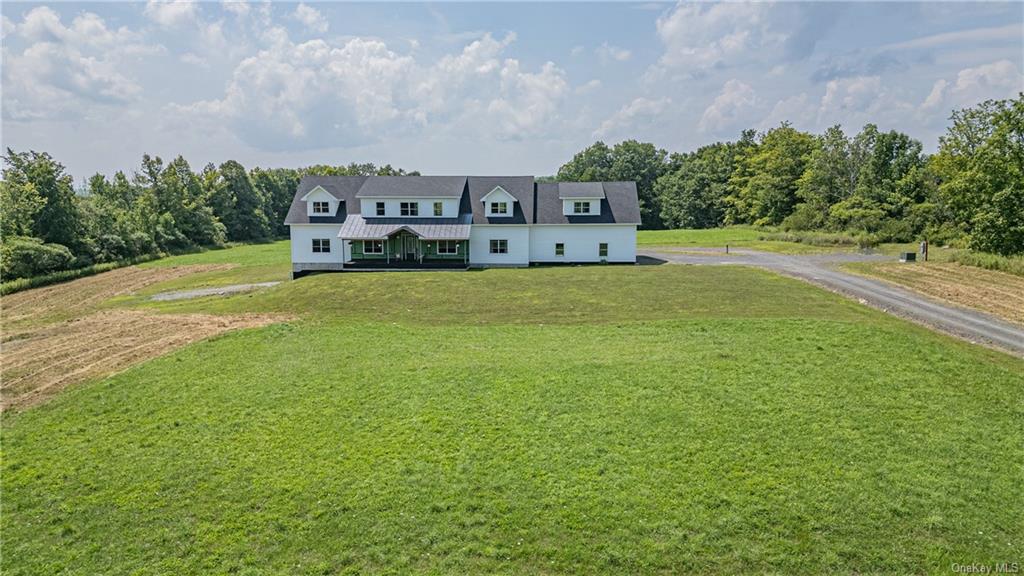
column 908, row 256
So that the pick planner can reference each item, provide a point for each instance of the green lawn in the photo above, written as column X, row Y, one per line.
column 249, row 263
column 605, row 419
column 735, row 236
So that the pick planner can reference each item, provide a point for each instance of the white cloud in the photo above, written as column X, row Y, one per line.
column 637, row 113
column 796, row 109
column 999, row 79
column 608, row 53
column 972, row 36
column 310, row 17
column 729, row 107
column 239, row 8
column 324, row 94
column 588, row 87
column 576, row 51
column 194, row 60
column 171, row 13
column 701, row 36
column 63, row 69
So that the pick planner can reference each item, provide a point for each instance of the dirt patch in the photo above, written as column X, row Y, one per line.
column 38, row 364
column 72, row 299
column 218, row 291
column 996, row 293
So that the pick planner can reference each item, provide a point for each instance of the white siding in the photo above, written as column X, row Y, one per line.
column 393, row 208
column 518, row 237
column 302, row 244
column 581, row 242
column 320, row 195
column 499, row 194
column 568, row 205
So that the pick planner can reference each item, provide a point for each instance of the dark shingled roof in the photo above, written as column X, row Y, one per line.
column 580, row 190
column 537, row 203
column 521, row 187
column 619, row 206
column 343, row 188
column 413, row 186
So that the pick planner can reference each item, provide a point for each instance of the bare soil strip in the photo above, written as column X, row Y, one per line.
column 997, row 293
column 58, row 336
column 71, row 299
column 39, row 364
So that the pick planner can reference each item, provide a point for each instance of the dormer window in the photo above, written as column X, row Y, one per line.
column 321, row 208
column 499, row 208
column 380, row 208
column 438, row 208
column 409, row 208
column 581, row 207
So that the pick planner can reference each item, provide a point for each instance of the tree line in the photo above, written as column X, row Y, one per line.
column 878, row 185
column 48, row 226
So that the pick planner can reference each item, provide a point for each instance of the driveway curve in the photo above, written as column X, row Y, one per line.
column 972, row 325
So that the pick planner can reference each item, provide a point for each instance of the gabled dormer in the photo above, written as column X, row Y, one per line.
column 320, row 203
column 581, row 198
column 498, row 203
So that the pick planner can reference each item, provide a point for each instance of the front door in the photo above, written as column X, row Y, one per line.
column 409, row 244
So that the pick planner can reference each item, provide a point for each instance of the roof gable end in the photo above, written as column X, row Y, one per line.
column 498, row 190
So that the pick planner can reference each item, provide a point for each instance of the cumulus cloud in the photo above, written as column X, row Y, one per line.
column 323, row 94
column 999, row 79
column 239, row 8
column 310, row 17
column 63, row 68
column 608, row 53
column 701, row 36
column 588, row 87
column 171, row 13
column 636, row 114
column 731, row 105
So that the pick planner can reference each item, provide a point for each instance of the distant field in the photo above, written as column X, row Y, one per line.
column 734, row 236
column 997, row 293
column 604, row 419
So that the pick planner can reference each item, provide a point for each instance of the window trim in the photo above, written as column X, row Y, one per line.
column 438, row 208
column 371, row 242
column 448, row 244
column 602, row 247
column 409, row 208
column 559, row 248
column 496, row 212
column 499, row 246
column 581, row 207
column 324, row 204
column 319, row 244
column 381, row 209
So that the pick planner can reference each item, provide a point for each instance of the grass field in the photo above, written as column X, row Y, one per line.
column 653, row 419
column 735, row 236
column 996, row 293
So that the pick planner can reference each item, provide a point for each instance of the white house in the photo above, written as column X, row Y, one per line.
column 403, row 222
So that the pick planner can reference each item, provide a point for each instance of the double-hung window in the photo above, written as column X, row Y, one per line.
column 602, row 250
column 581, row 207
column 321, row 208
column 559, row 249
column 380, row 208
column 321, row 245
column 499, row 246
column 409, row 208
column 447, row 247
column 500, row 208
column 438, row 209
column 373, row 246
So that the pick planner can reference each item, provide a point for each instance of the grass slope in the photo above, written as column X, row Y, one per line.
column 735, row 236
column 600, row 419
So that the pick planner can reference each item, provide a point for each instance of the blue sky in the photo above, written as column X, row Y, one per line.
column 483, row 88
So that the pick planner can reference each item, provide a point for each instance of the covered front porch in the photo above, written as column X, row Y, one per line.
column 405, row 244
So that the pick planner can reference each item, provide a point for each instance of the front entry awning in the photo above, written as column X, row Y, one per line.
column 358, row 228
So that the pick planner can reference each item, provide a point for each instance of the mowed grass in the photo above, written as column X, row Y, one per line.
column 249, row 263
column 734, row 236
column 604, row 419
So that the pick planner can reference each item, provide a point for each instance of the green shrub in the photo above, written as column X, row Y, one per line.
column 23, row 257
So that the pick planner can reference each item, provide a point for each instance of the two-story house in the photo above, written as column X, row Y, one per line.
column 403, row 222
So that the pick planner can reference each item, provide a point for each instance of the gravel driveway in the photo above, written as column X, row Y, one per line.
column 820, row 269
